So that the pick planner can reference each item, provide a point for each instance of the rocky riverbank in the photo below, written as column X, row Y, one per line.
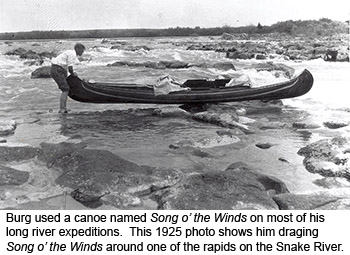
column 97, row 178
column 235, row 46
column 247, row 155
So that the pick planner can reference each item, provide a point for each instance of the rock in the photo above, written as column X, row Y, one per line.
column 331, row 55
column 206, row 142
column 17, row 52
column 313, row 201
column 264, row 145
column 260, row 57
column 283, row 160
column 239, row 55
column 41, row 72
column 170, row 111
column 335, row 125
column 272, row 125
column 30, row 54
column 130, row 48
column 8, row 154
column 238, row 187
column 303, row 125
column 328, row 157
column 176, row 64
column 7, row 127
column 224, row 66
column 93, row 174
column 37, row 62
column 301, row 202
column 332, row 182
column 156, row 65
column 10, row 176
column 228, row 120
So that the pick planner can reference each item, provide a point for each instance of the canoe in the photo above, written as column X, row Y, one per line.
column 201, row 91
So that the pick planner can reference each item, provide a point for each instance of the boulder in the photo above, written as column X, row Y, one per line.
column 335, row 125
column 30, row 54
column 41, row 72
column 331, row 55
column 322, row 200
column 264, row 146
column 206, row 142
column 17, row 153
column 239, row 55
column 17, row 52
column 305, row 125
column 10, row 176
column 176, row 64
column 328, row 157
column 7, row 127
column 224, row 66
column 238, row 187
column 95, row 174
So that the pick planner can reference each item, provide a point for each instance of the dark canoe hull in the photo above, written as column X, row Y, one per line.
column 202, row 91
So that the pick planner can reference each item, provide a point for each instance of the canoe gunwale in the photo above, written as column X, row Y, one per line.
column 129, row 93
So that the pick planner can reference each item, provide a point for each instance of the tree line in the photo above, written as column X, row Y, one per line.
column 321, row 27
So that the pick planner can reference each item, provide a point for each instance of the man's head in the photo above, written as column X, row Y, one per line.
column 79, row 49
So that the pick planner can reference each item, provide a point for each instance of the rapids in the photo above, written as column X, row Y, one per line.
column 136, row 133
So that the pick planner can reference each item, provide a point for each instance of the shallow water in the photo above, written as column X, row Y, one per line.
column 136, row 133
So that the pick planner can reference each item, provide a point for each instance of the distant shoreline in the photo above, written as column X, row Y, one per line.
column 311, row 28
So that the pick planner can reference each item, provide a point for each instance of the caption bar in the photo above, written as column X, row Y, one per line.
column 164, row 232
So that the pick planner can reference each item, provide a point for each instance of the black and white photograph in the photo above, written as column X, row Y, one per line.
column 174, row 127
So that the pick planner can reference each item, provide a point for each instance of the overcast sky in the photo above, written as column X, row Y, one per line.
column 27, row 15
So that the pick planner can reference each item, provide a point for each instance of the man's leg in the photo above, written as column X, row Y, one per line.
column 63, row 102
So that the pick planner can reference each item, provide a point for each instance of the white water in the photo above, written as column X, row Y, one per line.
column 142, row 137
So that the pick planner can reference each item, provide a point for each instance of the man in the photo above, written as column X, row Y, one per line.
column 61, row 65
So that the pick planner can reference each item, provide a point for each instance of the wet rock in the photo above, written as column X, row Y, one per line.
column 10, row 176
column 224, row 66
column 260, row 57
column 176, row 64
column 130, row 48
column 30, row 54
column 170, row 111
column 155, row 65
column 314, row 201
column 239, row 55
column 304, row 125
column 335, row 125
column 265, row 125
column 331, row 55
column 264, row 145
column 206, row 142
column 328, row 157
column 37, row 62
column 7, row 127
column 332, row 182
column 238, row 187
column 93, row 174
column 17, row 153
column 283, row 160
column 18, row 52
column 41, row 72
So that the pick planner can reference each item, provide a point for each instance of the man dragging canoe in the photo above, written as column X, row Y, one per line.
column 60, row 67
